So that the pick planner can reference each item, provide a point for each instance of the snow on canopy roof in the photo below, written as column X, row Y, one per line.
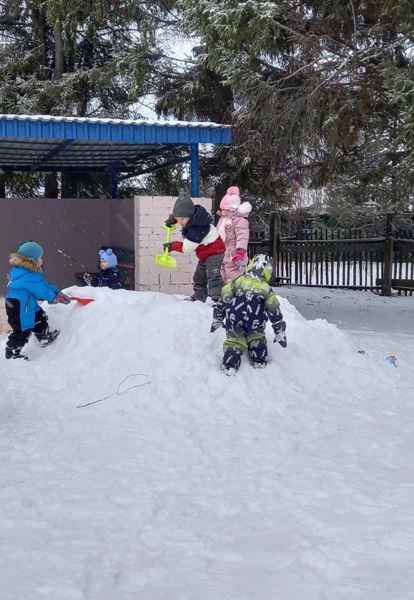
column 169, row 123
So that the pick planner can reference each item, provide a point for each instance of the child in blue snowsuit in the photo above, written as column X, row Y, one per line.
column 27, row 285
column 109, row 275
column 249, row 303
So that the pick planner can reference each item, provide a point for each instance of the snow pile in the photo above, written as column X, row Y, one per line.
column 181, row 483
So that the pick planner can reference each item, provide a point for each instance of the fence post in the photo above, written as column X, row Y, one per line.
column 275, row 237
column 388, row 256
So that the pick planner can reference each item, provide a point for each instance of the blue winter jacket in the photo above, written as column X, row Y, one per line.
column 198, row 226
column 107, row 278
column 28, row 287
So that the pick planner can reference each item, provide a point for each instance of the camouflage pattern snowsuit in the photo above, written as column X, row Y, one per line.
column 249, row 303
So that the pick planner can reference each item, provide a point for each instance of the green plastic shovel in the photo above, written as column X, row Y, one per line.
column 164, row 259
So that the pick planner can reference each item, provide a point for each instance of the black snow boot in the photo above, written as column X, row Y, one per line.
column 194, row 298
column 231, row 360
column 48, row 337
column 257, row 350
column 15, row 353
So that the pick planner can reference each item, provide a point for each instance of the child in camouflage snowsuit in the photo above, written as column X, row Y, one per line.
column 249, row 303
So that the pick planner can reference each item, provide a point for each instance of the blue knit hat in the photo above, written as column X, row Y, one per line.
column 30, row 250
column 109, row 257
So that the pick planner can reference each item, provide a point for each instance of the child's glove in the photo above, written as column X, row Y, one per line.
column 62, row 298
column 172, row 246
column 87, row 278
column 239, row 258
column 170, row 221
column 280, row 334
column 79, row 277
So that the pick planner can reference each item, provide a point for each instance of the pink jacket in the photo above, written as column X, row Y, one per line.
column 233, row 228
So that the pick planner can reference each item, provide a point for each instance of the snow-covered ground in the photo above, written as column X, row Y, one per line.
column 354, row 310
column 181, row 484
column 377, row 325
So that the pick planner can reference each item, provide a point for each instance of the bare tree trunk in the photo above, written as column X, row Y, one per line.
column 2, row 187
column 69, row 185
column 51, row 185
column 59, row 51
column 40, row 33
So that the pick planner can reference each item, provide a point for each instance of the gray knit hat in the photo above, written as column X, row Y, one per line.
column 183, row 206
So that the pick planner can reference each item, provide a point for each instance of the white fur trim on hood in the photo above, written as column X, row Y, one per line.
column 244, row 209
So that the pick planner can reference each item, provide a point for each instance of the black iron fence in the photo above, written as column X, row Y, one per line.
column 343, row 258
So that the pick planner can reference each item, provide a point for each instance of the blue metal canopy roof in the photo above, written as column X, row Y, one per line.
column 75, row 144
column 44, row 127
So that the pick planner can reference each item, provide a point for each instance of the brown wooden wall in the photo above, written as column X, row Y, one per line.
column 77, row 227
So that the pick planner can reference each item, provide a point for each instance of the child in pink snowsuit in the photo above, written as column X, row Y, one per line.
column 233, row 228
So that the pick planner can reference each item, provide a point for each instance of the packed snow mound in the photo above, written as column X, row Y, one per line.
column 169, row 339
column 181, row 483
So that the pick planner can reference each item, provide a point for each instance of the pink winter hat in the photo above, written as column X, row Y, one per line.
column 231, row 200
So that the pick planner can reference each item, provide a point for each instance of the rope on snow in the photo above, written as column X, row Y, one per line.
column 119, row 390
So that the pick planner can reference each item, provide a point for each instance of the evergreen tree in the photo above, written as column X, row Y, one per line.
column 321, row 92
column 82, row 58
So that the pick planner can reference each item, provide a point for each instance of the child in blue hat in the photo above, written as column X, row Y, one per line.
column 27, row 285
column 109, row 275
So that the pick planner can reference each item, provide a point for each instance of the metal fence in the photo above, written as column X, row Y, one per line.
column 343, row 257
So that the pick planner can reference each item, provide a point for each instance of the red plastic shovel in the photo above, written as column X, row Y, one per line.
column 83, row 301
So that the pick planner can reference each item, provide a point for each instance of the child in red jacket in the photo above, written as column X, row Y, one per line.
column 200, row 236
